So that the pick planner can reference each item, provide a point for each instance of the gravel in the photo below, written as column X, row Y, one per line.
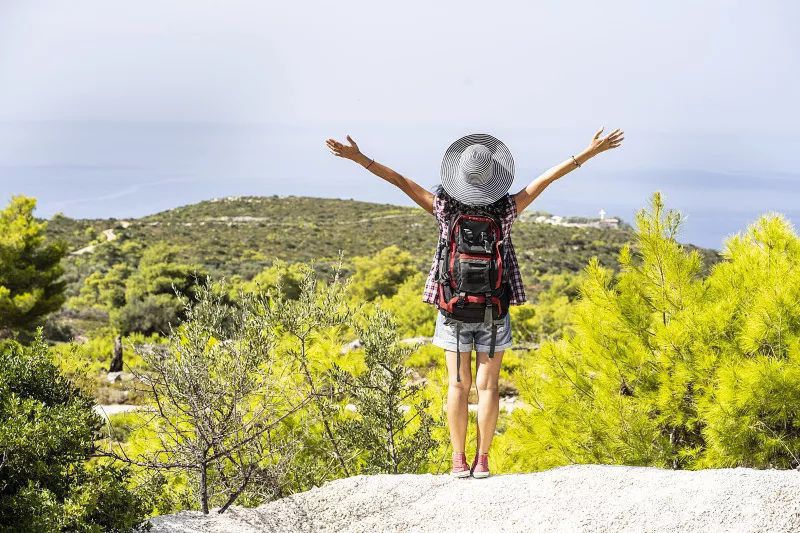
column 570, row 498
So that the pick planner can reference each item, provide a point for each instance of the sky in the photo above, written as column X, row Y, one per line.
column 120, row 109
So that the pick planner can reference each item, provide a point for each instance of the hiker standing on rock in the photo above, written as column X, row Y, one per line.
column 475, row 276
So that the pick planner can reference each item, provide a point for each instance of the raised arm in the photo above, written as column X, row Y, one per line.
column 420, row 195
column 598, row 145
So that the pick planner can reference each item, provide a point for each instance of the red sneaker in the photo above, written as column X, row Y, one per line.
column 460, row 466
column 480, row 466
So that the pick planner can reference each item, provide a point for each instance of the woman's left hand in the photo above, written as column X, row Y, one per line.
column 601, row 144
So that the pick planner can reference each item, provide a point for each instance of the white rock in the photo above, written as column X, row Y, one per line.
column 569, row 498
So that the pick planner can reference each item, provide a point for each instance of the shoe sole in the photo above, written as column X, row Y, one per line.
column 459, row 475
column 480, row 475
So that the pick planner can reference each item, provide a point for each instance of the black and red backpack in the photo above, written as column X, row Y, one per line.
column 472, row 282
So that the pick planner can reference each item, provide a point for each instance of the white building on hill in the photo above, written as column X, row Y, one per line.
column 575, row 222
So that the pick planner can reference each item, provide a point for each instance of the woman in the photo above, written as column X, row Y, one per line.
column 477, row 172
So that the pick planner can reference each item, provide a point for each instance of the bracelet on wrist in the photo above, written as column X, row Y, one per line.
column 370, row 164
column 575, row 161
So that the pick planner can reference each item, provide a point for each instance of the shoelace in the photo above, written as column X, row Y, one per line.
column 460, row 461
column 483, row 460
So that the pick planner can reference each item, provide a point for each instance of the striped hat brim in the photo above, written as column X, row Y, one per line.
column 477, row 169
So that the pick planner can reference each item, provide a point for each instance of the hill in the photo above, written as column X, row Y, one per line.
column 242, row 235
column 569, row 498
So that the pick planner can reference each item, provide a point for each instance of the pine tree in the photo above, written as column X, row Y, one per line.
column 30, row 268
column 663, row 367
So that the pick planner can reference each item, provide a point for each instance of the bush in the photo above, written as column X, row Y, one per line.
column 381, row 274
column 152, row 314
column 287, row 277
column 46, row 440
column 30, row 269
column 665, row 367
column 414, row 317
column 393, row 428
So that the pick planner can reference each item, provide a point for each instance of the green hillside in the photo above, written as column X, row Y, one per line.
column 240, row 236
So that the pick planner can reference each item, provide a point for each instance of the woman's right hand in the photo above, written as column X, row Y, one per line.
column 343, row 150
column 350, row 151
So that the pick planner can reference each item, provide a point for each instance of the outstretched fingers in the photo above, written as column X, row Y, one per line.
column 617, row 139
column 332, row 146
column 349, row 150
column 614, row 139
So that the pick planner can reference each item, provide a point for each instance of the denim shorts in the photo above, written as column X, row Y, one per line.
column 479, row 334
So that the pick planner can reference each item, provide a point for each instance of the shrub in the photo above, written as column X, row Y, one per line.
column 665, row 367
column 217, row 396
column 152, row 314
column 46, row 440
column 381, row 274
column 30, row 269
column 392, row 429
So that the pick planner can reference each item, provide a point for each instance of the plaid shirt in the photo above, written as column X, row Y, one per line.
column 440, row 211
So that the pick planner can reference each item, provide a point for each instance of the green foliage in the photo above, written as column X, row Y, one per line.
column 665, row 367
column 145, row 299
column 218, row 393
column 392, row 427
column 305, row 326
column 381, row 274
column 152, row 294
column 30, row 268
column 85, row 363
column 413, row 317
column 288, row 277
column 158, row 272
column 243, row 236
column 46, row 439
column 754, row 415
column 103, row 290
column 152, row 314
column 548, row 317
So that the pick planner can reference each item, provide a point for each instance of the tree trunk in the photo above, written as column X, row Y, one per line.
column 203, row 488
column 116, row 359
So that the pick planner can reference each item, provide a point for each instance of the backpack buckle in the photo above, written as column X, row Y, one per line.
column 461, row 296
column 488, row 241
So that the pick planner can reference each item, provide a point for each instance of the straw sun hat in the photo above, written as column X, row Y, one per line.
column 477, row 169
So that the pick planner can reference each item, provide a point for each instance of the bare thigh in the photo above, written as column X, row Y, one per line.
column 466, row 368
column 488, row 370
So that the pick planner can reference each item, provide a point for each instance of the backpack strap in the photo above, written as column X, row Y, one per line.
column 443, row 270
column 442, row 260
column 487, row 313
column 458, row 352
column 493, row 340
column 504, row 252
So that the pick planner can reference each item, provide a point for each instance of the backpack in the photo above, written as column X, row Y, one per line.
column 472, row 281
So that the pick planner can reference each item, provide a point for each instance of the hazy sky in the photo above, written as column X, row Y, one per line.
column 111, row 108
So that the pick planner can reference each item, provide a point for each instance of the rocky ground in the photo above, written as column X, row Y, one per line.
column 570, row 498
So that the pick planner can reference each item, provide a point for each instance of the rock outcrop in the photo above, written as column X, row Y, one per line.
column 570, row 498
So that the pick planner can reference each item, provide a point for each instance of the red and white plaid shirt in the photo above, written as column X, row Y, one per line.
column 509, row 214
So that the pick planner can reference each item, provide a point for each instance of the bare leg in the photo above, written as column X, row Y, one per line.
column 488, row 397
column 457, row 394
